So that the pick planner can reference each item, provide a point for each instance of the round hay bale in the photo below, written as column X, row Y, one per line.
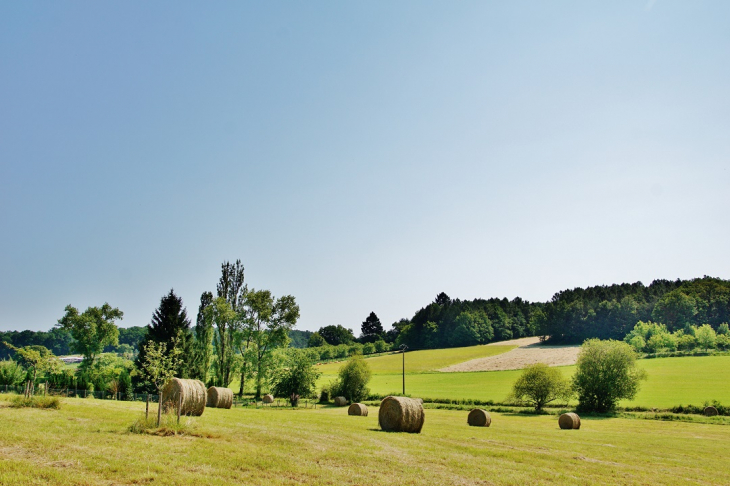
column 419, row 400
column 340, row 401
column 569, row 421
column 358, row 409
column 479, row 418
column 219, row 397
column 710, row 412
column 193, row 396
column 268, row 398
column 401, row 414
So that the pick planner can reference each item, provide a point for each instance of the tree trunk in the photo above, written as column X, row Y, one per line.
column 258, row 379
column 243, row 378
column 159, row 406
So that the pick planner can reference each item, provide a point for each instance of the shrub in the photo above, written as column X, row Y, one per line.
column 298, row 378
column 353, row 379
column 706, row 336
column 341, row 351
column 368, row 348
column 606, row 373
column 125, row 384
column 723, row 342
column 638, row 343
column 11, row 373
column 353, row 349
column 722, row 329
column 20, row 401
column 686, row 342
column 539, row 385
column 646, row 330
column 381, row 346
column 325, row 352
column 661, row 340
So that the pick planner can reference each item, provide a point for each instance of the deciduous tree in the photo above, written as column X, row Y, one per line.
column 540, row 384
column 268, row 321
column 336, row 335
column 606, row 373
column 159, row 367
column 93, row 329
column 224, row 320
column 353, row 379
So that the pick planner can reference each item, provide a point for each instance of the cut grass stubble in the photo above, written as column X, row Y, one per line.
column 325, row 446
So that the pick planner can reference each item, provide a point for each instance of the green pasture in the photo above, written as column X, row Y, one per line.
column 87, row 443
column 671, row 381
column 420, row 361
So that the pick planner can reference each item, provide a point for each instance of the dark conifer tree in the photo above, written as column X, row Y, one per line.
column 442, row 299
column 371, row 329
column 170, row 322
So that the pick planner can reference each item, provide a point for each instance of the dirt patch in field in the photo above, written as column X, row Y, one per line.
column 529, row 351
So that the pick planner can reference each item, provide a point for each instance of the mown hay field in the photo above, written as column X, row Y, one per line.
column 87, row 443
column 671, row 381
column 424, row 360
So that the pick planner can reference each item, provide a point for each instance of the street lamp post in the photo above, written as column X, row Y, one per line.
column 403, row 348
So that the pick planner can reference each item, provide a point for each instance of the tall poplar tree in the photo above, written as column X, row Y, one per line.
column 202, row 350
column 223, row 314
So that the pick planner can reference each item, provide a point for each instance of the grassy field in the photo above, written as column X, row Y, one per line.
column 420, row 361
column 671, row 381
column 87, row 443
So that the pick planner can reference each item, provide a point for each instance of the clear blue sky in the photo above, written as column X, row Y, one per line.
column 359, row 156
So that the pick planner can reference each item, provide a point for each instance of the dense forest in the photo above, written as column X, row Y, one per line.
column 612, row 311
column 571, row 316
column 446, row 323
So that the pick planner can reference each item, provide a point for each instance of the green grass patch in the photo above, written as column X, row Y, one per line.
column 683, row 381
column 691, row 380
column 19, row 401
column 89, row 443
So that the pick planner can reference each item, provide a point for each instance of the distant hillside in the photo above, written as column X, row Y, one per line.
column 299, row 339
column 59, row 341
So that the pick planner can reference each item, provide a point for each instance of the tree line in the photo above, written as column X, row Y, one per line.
column 570, row 317
column 61, row 343
column 611, row 312
column 237, row 335
column 238, row 332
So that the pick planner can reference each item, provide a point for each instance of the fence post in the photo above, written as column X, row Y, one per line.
column 147, row 407
column 179, row 408
column 159, row 408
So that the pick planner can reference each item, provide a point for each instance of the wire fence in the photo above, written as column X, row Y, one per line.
column 149, row 397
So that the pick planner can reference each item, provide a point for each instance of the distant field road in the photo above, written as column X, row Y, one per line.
column 529, row 351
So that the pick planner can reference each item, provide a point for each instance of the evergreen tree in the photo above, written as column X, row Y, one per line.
column 371, row 329
column 442, row 299
column 170, row 325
